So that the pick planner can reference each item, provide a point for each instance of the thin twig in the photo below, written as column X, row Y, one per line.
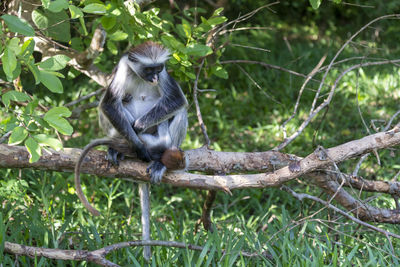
column 391, row 120
column 196, row 102
column 245, row 17
column 309, row 77
column 340, row 51
column 207, row 207
column 313, row 111
column 251, row 47
column 5, row 137
column 245, row 29
column 258, row 86
column 266, row 65
column 301, row 196
column 357, row 168
column 327, row 101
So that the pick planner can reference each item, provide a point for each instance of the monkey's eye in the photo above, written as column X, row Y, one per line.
column 159, row 68
column 148, row 70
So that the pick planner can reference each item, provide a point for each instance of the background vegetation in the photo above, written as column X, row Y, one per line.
column 243, row 111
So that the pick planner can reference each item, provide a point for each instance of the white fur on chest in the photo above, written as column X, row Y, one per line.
column 144, row 97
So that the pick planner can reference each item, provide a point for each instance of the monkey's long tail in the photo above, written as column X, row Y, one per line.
column 78, row 188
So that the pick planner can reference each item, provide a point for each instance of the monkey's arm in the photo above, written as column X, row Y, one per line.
column 171, row 102
column 112, row 107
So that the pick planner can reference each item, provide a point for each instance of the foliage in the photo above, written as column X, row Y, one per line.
column 123, row 24
column 242, row 113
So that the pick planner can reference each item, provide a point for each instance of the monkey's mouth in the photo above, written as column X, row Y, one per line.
column 154, row 81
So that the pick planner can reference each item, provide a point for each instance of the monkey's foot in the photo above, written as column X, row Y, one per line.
column 156, row 170
column 113, row 157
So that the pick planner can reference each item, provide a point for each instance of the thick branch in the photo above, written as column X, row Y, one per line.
column 202, row 159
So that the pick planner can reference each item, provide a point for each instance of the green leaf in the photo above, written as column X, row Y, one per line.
column 46, row 3
column 55, row 63
column 27, row 48
column 315, row 3
column 198, row 50
column 218, row 11
column 191, row 75
column 9, row 63
column 76, row 12
column 108, row 22
column 30, row 108
column 34, row 149
column 40, row 20
column 118, row 36
column 46, row 140
column 186, row 28
column 55, row 119
column 17, row 136
column 13, row 45
column 55, row 25
column 35, row 71
column 51, row 81
column 220, row 72
column 18, row 25
column 217, row 20
column 57, row 5
column 83, row 25
column 172, row 42
column 95, row 9
column 112, row 47
column 14, row 96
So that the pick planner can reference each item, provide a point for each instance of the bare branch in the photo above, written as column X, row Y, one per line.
column 327, row 101
column 196, row 102
column 17, row 157
column 361, row 210
column 207, row 207
column 83, row 98
column 301, row 196
column 5, row 137
column 266, row 65
column 99, row 256
column 296, row 106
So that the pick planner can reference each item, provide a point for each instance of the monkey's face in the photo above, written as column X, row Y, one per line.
column 150, row 73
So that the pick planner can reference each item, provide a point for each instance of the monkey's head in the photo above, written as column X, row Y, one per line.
column 148, row 61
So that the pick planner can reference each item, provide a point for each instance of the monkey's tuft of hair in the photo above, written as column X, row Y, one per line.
column 149, row 50
column 174, row 159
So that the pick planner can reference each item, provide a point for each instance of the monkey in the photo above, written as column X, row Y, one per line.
column 143, row 111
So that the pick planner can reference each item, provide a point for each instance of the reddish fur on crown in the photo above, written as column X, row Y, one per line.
column 149, row 49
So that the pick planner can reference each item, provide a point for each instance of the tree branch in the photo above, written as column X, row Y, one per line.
column 99, row 256
column 206, row 160
column 301, row 196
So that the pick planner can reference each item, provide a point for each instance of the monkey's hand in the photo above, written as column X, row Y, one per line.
column 139, row 126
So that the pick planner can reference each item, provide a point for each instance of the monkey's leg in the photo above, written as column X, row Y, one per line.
column 113, row 156
column 156, row 145
column 156, row 170
column 177, row 128
column 144, row 193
